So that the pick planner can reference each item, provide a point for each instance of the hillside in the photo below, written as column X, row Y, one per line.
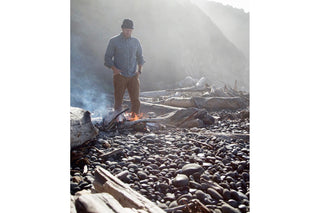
column 233, row 22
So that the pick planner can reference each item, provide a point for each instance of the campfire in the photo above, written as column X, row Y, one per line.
column 131, row 116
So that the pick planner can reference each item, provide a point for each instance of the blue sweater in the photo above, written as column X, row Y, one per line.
column 124, row 54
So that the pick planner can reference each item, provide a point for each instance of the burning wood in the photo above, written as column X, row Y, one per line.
column 112, row 123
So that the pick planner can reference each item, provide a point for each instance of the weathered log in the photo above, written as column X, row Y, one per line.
column 179, row 102
column 189, row 117
column 156, row 93
column 168, row 92
column 100, row 202
column 157, row 108
column 128, row 198
column 81, row 127
column 209, row 103
column 72, row 205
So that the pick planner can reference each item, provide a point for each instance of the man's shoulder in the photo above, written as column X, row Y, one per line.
column 114, row 38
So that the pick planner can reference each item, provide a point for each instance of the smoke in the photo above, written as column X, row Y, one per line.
column 177, row 37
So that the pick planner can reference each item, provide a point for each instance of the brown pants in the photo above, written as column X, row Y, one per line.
column 120, row 84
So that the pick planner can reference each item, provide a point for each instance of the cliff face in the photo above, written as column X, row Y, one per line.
column 177, row 37
column 233, row 22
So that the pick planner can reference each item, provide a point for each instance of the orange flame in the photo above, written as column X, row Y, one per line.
column 133, row 116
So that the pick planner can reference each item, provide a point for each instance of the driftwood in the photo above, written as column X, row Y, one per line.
column 209, row 103
column 156, row 93
column 168, row 92
column 112, row 123
column 128, row 198
column 157, row 108
column 100, row 202
column 81, row 127
column 184, row 118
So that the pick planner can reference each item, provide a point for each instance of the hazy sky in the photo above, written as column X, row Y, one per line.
column 244, row 4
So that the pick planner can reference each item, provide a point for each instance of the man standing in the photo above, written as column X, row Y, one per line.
column 123, row 54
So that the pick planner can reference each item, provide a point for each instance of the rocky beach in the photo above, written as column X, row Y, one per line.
column 207, row 167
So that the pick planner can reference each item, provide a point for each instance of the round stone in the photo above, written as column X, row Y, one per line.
column 192, row 168
column 235, row 195
column 226, row 194
column 242, row 208
column 233, row 203
column 226, row 208
column 142, row 175
column 200, row 195
column 180, row 180
column 214, row 194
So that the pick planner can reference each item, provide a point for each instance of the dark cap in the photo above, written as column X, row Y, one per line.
column 127, row 23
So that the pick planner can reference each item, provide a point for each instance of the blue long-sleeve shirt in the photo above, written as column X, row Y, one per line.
column 124, row 54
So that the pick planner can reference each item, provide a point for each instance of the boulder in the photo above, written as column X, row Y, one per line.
column 81, row 127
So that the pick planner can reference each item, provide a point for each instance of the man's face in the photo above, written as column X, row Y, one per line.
column 127, row 32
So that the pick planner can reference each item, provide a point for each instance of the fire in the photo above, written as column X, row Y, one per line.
column 133, row 116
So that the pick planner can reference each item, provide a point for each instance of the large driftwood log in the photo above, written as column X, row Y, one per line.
column 100, row 202
column 190, row 117
column 155, row 93
column 209, row 103
column 105, row 182
column 81, row 127
column 157, row 108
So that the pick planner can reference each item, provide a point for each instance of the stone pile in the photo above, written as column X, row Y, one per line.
column 171, row 167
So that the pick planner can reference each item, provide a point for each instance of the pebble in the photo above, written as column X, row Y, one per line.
column 214, row 194
column 235, row 195
column 242, row 208
column 226, row 208
column 226, row 194
column 233, row 203
column 192, row 168
column 142, row 175
column 180, row 180
column 200, row 195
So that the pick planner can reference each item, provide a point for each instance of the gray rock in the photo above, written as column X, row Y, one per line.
column 235, row 195
column 200, row 195
column 192, row 168
column 242, row 196
column 195, row 185
column 242, row 208
column 226, row 194
column 180, row 180
column 226, row 208
column 214, row 194
column 142, row 175
column 233, row 203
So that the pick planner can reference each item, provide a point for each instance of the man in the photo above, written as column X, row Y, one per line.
column 123, row 56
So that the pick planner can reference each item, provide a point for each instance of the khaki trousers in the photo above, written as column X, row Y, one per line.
column 120, row 84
